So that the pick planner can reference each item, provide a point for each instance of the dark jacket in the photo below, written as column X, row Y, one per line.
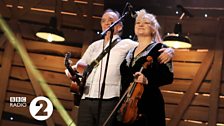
column 151, row 104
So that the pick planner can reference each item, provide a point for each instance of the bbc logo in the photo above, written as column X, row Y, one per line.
column 17, row 99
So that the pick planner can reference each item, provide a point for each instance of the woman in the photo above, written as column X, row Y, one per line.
column 151, row 105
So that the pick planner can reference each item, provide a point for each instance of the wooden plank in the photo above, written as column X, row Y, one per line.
column 66, row 6
column 16, row 73
column 25, row 87
column 199, row 99
column 34, row 81
column 58, row 120
column 44, row 17
column 76, row 7
column 216, row 80
column 16, row 123
column 188, row 25
column 2, row 40
column 3, row 8
column 4, row 78
column 45, row 47
column 45, row 62
column 29, row 30
column 192, row 123
column 205, row 4
column 13, row 92
column 197, row 113
column 187, row 98
column 202, row 41
column 190, row 70
column 1, row 55
column 88, row 27
column 50, row 77
column 179, row 67
column 189, row 56
column 74, row 36
column 24, row 111
column 183, row 85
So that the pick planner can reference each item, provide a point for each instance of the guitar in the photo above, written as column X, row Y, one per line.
column 78, row 84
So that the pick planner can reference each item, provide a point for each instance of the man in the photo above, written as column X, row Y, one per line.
column 88, row 108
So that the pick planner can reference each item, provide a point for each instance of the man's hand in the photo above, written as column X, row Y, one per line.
column 166, row 55
column 67, row 73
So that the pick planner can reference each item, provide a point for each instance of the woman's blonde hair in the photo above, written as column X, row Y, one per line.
column 154, row 23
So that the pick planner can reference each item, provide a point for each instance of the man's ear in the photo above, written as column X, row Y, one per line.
column 120, row 28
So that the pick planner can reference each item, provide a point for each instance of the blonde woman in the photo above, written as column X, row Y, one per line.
column 151, row 105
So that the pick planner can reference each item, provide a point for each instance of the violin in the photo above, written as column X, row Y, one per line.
column 128, row 111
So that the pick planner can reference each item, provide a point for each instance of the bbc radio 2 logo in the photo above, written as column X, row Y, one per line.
column 17, row 102
column 40, row 108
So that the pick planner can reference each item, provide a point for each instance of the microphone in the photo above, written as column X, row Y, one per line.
column 131, row 10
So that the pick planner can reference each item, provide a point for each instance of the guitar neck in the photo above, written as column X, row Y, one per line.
column 71, row 71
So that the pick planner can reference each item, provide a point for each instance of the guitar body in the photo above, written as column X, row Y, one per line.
column 78, row 80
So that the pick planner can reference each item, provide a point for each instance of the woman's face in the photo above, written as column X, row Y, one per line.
column 107, row 19
column 143, row 26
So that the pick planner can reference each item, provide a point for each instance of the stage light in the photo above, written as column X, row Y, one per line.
column 51, row 33
column 177, row 39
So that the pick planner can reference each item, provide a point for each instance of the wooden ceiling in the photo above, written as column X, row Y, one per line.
column 74, row 16
column 213, row 8
column 79, row 19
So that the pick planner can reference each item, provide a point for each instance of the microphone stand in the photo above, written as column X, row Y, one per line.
column 110, row 28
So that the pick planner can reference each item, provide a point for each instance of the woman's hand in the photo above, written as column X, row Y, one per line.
column 140, row 78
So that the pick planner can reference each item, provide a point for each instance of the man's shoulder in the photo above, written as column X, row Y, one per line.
column 129, row 41
column 97, row 42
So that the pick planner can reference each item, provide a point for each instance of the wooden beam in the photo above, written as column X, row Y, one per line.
column 5, row 72
column 28, row 7
column 35, row 84
column 189, row 95
column 216, row 80
column 2, row 40
column 58, row 8
column 88, row 27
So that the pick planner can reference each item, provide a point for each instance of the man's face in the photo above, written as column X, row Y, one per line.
column 107, row 19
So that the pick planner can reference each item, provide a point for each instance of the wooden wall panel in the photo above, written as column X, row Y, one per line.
column 25, row 113
column 55, row 49
column 43, row 17
column 185, row 70
column 195, row 113
column 49, row 59
column 185, row 62
column 47, row 62
column 196, row 28
column 0, row 57
column 189, row 56
column 199, row 100
column 17, row 92
column 15, row 123
column 182, row 85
